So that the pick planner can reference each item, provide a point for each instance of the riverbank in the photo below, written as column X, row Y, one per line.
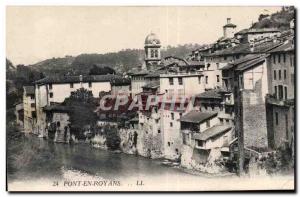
column 41, row 164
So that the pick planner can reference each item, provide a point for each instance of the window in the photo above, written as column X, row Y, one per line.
column 284, row 74
column 217, row 65
column 171, row 124
column 158, row 131
column 156, row 121
column 172, row 116
column 207, row 123
column 184, row 138
column 33, row 114
column 274, row 74
column 156, row 53
column 206, row 79
column 31, row 97
column 212, row 107
column 90, row 84
column 51, row 95
column 32, row 104
column 278, row 58
column 169, row 144
column 208, row 66
column 276, row 118
column 199, row 79
column 279, row 74
column 218, row 78
column 180, row 80
column 171, row 82
column 221, row 120
column 152, row 53
column 71, row 85
column 200, row 143
column 284, row 58
column 285, row 92
column 274, row 59
column 280, row 92
column 275, row 89
column 292, row 79
column 50, row 86
column 180, row 114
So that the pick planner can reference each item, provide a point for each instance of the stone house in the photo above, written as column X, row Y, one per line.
column 280, row 103
column 202, row 132
column 56, row 89
column 29, row 109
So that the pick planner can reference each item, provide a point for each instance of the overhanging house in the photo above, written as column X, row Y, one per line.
column 202, row 132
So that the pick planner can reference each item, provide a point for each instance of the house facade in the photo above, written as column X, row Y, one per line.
column 203, row 136
column 53, row 90
column 29, row 106
column 280, row 103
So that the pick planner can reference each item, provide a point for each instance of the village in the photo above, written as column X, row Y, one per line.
column 237, row 93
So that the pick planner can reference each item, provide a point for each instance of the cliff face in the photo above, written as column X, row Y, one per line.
column 280, row 20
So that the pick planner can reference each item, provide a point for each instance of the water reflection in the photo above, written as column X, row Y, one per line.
column 37, row 158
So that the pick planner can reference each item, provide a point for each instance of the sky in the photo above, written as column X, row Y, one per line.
column 37, row 33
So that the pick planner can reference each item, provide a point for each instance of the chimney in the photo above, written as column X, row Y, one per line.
column 228, row 20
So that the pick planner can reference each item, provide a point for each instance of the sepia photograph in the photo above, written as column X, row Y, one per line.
column 150, row 98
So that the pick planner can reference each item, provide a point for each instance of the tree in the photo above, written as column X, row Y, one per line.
column 112, row 137
column 81, row 111
column 101, row 70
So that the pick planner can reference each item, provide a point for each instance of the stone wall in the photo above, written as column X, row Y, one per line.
column 142, row 142
column 254, row 119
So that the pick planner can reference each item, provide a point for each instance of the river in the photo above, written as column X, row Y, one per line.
column 40, row 163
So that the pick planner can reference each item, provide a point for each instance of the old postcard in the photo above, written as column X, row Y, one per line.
column 150, row 98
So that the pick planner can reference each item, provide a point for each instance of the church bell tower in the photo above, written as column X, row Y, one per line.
column 152, row 51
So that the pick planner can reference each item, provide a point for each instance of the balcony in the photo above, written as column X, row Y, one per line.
column 270, row 99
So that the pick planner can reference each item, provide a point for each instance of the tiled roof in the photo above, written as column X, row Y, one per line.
column 214, row 93
column 57, row 108
column 114, row 79
column 246, row 49
column 229, row 25
column 29, row 90
column 194, row 63
column 289, row 46
column 197, row 116
column 241, row 60
column 141, row 72
column 152, row 85
column 262, row 30
column 251, row 63
column 211, row 132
